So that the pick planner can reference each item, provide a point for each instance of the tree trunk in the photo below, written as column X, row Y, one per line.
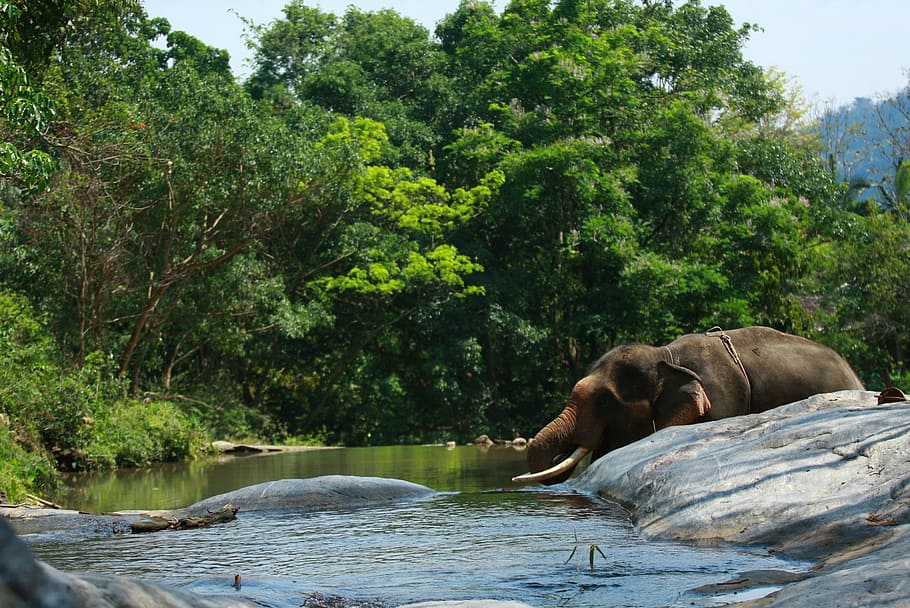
column 155, row 524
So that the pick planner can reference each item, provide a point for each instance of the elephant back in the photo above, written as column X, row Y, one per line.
column 754, row 369
column 784, row 368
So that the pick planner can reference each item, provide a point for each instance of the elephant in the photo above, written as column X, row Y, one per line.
column 635, row 390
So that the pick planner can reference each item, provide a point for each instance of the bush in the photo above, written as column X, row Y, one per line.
column 80, row 418
column 28, row 367
column 224, row 417
column 138, row 433
column 22, row 472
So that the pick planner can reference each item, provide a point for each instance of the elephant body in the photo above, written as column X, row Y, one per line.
column 636, row 389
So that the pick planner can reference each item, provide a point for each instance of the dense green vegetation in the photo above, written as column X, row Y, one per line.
column 384, row 236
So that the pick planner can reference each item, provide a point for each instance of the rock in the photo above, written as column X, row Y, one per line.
column 312, row 494
column 519, row 442
column 483, row 440
column 825, row 479
column 243, row 449
column 468, row 604
column 28, row 583
column 226, row 447
column 38, row 520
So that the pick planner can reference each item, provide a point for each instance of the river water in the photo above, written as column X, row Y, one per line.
column 480, row 537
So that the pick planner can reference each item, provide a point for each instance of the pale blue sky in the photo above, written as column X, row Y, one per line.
column 834, row 49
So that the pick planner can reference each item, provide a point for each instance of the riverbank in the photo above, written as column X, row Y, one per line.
column 826, row 480
column 239, row 449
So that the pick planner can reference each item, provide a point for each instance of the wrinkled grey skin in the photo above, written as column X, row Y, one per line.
column 635, row 389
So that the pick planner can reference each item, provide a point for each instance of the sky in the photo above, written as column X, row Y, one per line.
column 835, row 50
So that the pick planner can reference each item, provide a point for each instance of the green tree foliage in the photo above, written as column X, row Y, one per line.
column 54, row 416
column 868, row 271
column 25, row 111
column 637, row 204
column 651, row 187
column 190, row 226
column 377, row 65
column 385, row 259
column 385, row 237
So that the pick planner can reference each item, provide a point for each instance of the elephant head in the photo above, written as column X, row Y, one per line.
column 629, row 393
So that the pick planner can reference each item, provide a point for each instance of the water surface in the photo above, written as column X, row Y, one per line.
column 480, row 537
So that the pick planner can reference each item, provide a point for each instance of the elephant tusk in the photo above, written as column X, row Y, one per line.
column 566, row 465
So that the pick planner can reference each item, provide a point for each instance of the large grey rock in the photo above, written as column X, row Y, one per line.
column 870, row 576
column 313, row 494
column 468, row 604
column 824, row 479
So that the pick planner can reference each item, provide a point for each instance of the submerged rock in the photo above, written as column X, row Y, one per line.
column 469, row 604
column 825, row 479
column 242, row 449
column 312, row 494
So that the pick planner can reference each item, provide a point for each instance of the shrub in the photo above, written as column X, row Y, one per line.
column 137, row 433
column 23, row 472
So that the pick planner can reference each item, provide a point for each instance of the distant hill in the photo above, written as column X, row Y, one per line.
column 865, row 141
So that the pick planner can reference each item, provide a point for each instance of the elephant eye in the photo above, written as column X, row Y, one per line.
column 607, row 403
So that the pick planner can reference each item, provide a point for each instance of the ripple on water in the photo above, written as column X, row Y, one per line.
column 533, row 546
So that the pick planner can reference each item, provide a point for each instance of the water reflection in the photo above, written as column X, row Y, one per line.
column 462, row 469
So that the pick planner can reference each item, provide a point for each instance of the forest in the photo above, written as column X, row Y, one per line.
column 386, row 235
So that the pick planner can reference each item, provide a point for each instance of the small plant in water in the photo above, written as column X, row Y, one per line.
column 592, row 549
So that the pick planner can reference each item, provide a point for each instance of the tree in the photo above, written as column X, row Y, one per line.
column 25, row 111
column 866, row 267
column 194, row 225
column 377, row 220
column 169, row 172
column 865, row 310
column 383, row 260
column 377, row 65
column 635, row 206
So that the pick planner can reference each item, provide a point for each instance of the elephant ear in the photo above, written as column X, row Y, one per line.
column 682, row 398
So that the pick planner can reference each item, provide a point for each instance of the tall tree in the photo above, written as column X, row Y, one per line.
column 176, row 190
column 25, row 110
column 378, row 65
column 632, row 209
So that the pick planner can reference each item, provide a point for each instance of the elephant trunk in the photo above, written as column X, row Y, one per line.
column 549, row 458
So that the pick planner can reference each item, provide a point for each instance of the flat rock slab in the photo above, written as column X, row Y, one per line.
column 824, row 479
column 242, row 449
column 468, row 604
